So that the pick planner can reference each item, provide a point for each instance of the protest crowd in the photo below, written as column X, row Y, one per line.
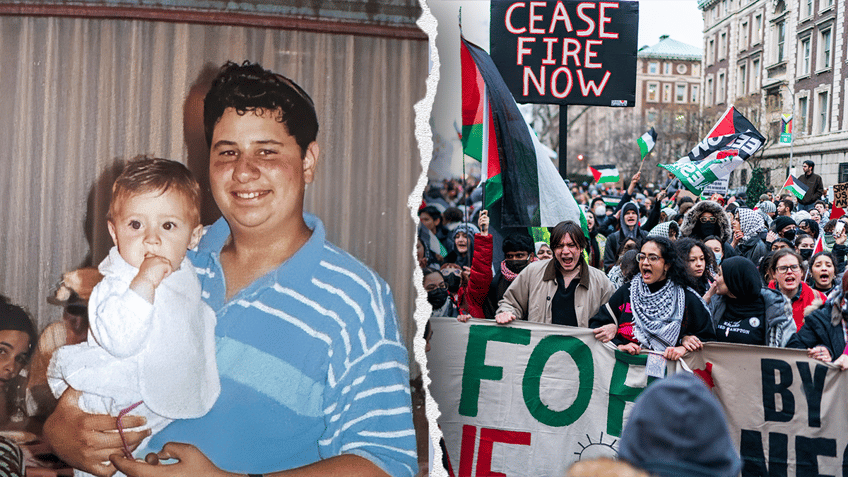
column 655, row 268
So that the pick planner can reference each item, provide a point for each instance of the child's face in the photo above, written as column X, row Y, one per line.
column 154, row 223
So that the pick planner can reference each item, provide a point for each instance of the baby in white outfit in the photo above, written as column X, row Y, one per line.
column 151, row 338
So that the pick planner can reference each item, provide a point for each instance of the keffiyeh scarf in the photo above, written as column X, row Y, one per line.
column 750, row 222
column 657, row 317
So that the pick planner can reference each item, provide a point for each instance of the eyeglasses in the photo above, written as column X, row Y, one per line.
column 652, row 259
column 786, row 268
column 707, row 220
column 440, row 286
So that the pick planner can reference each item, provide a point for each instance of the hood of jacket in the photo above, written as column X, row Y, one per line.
column 722, row 223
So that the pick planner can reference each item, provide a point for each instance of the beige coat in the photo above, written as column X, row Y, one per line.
column 530, row 295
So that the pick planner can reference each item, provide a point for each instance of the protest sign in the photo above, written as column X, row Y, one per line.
column 786, row 412
column 566, row 52
column 528, row 398
column 718, row 187
column 840, row 195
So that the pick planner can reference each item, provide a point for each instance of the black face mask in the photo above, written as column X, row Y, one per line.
column 706, row 229
column 452, row 281
column 806, row 253
column 437, row 297
column 789, row 235
column 515, row 266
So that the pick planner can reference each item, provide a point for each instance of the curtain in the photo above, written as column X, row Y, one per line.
column 81, row 96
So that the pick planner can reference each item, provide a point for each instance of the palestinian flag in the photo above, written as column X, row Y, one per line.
column 732, row 133
column 836, row 212
column 731, row 141
column 611, row 201
column 605, row 173
column 798, row 189
column 646, row 143
column 518, row 173
column 431, row 241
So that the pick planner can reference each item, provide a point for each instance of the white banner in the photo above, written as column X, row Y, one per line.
column 788, row 414
column 528, row 398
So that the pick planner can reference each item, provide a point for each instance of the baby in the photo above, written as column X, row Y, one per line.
column 151, row 343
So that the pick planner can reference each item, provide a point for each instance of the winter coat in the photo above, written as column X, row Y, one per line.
column 531, row 294
column 809, row 301
column 481, row 276
column 780, row 326
column 820, row 330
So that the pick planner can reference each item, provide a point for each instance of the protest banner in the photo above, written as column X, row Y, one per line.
column 528, row 398
column 840, row 195
column 566, row 52
column 787, row 412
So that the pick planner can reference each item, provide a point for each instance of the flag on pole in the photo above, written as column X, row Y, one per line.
column 605, row 173
column 786, row 124
column 819, row 246
column 798, row 189
column 786, row 129
column 730, row 142
column 732, row 132
column 646, row 142
column 517, row 171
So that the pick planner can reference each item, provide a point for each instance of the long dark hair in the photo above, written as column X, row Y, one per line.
column 684, row 247
column 677, row 271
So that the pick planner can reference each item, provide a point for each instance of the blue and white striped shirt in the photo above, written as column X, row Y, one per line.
column 311, row 364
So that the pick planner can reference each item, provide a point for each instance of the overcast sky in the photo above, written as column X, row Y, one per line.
column 680, row 19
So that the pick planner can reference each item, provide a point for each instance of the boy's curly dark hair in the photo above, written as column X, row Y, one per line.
column 249, row 87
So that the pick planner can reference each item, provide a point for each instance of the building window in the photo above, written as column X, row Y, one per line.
column 801, row 121
column 666, row 68
column 696, row 69
column 711, row 51
column 808, row 10
column 653, row 67
column 743, row 81
column 666, row 93
column 822, row 110
column 781, row 40
column 804, row 57
column 755, row 74
column 651, row 117
column 653, row 92
column 680, row 93
column 720, row 85
column 825, row 46
column 722, row 46
column 681, row 69
column 708, row 101
column 695, row 93
column 843, row 172
column 744, row 43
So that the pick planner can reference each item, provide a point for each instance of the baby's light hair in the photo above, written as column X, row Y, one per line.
column 149, row 174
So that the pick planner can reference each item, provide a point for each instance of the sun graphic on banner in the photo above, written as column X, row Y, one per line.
column 597, row 449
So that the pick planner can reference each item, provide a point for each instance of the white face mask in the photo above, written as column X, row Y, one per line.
column 600, row 211
column 718, row 256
